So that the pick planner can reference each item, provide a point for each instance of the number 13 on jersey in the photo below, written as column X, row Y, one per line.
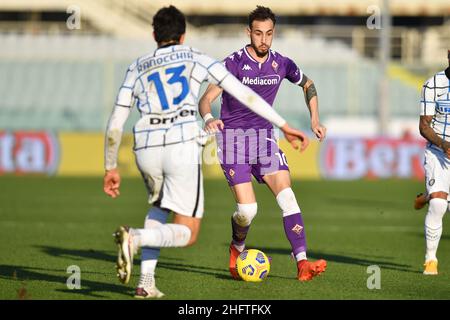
column 176, row 76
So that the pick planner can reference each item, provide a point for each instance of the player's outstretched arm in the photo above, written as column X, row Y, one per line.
column 312, row 101
column 211, row 125
column 251, row 100
column 113, row 137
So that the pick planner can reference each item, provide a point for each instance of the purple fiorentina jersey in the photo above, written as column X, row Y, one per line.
column 264, row 78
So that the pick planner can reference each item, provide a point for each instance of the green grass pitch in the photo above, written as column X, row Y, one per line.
column 49, row 224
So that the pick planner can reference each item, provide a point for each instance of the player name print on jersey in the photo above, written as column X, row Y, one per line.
column 157, row 61
column 164, row 86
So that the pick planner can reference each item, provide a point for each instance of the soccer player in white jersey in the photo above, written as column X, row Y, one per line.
column 435, row 127
column 164, row 85
column 262, row 69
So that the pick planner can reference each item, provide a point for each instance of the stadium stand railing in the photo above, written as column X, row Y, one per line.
column 70, row 83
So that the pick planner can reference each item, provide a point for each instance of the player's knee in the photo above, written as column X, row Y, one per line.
column 437, row 207
column 192, row 227
column 193, row 238
column 245, row 213
column 191, row 242
column 287, row 202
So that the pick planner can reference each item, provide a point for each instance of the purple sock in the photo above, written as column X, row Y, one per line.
column 239, row 233
column 294, row 229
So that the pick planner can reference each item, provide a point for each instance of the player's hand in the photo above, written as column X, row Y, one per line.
column 213, row 125
column 319, row 130
column 293, row 135
column 111, row 183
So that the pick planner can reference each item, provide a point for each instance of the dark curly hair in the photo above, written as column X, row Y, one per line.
column 169, row 24
column 260, row 14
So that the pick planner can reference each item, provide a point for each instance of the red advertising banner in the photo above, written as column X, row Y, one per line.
column 355, row 158
column 41, row 152
column 23, row 152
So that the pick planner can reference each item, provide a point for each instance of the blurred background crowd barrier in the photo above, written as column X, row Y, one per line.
column 62, row 62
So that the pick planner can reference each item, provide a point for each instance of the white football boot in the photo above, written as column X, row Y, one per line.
column 124, row 241
column 147, row 288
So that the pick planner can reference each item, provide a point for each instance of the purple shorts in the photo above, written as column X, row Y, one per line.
column 246, row 152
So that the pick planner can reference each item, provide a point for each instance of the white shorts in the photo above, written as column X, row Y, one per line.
column 173, row 177
column 437, row 171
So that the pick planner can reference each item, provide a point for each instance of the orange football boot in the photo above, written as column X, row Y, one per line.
column 234, row 254
column 431, row 267
column 308, row 270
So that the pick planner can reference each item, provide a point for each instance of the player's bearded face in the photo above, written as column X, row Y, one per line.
column 261, row 36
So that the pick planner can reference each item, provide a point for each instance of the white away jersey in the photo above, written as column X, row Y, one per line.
column 164, row 86
column 435, row 101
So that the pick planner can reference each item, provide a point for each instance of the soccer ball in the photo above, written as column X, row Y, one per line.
column 253, row 265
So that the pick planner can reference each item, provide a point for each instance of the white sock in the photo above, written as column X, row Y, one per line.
column 240, row 248
column 287, row 202
column 146, row 280
column 241, row 220
column 163, row 236
column 433, row 226
column 149, row 257
column 300, row 256
column 245, row 213
column 148, row 266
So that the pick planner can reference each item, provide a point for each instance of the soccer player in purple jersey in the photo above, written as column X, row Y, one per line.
column 262, row 69
column 165, row 85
